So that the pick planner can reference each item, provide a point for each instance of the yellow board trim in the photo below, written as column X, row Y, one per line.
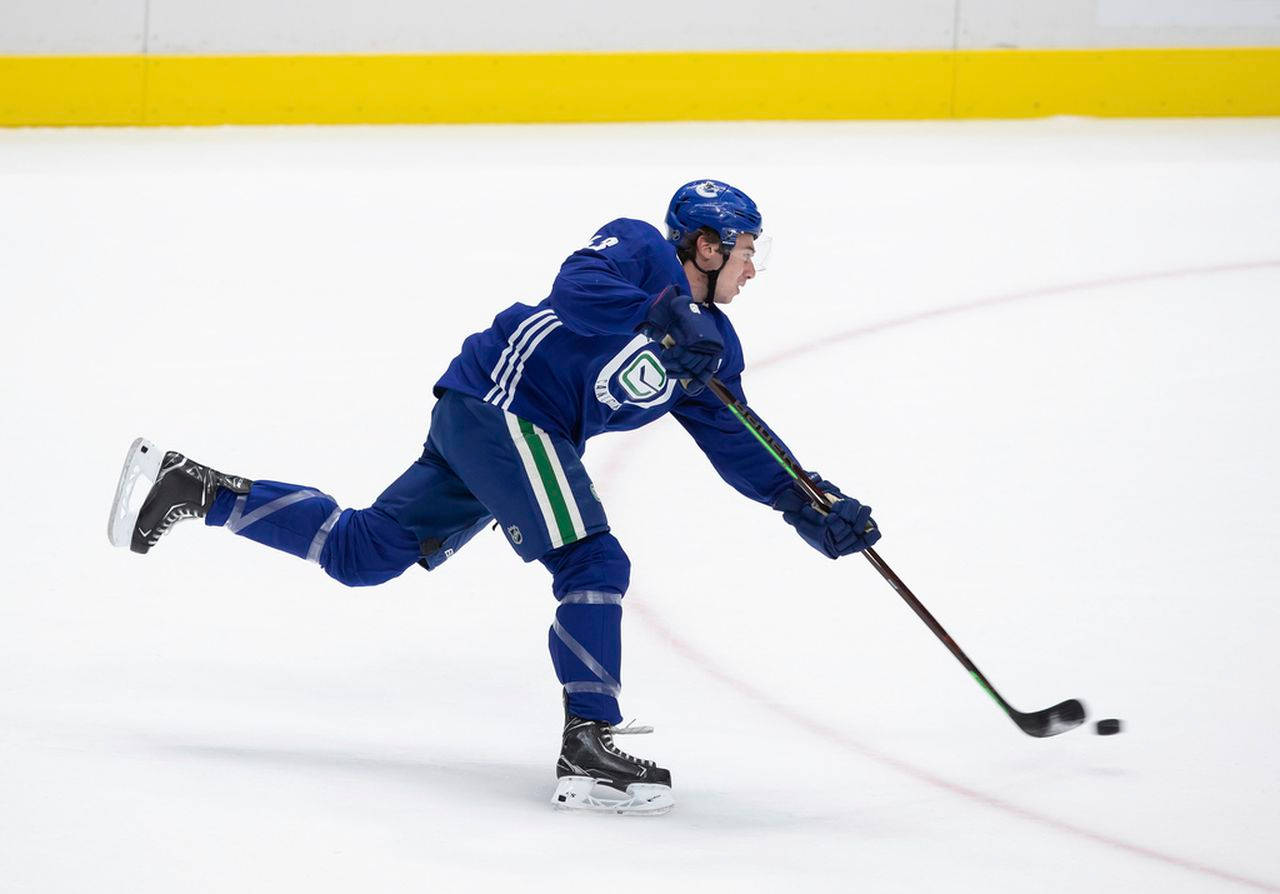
column 72, row 89
column 1118, row 83
column 606, row 87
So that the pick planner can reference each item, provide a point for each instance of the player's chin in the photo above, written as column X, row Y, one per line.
column 728, row 299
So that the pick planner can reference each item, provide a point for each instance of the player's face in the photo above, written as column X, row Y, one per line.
column 739, row 268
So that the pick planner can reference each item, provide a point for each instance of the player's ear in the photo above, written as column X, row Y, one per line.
column 708, row 248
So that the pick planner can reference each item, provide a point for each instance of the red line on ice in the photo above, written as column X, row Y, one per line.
column 835, row 736
column 1006, row 298
column 691, row 654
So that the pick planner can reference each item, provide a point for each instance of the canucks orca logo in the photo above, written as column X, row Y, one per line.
column 643, row 377
column 708, row 190
column 634, row 376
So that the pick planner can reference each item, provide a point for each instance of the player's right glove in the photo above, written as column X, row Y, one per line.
column 691, row 345
column 845, row 528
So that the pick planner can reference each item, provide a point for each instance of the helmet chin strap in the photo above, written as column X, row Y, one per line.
column 711, row 275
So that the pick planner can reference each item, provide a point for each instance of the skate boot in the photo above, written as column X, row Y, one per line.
column 179, row 489
column 595, row 775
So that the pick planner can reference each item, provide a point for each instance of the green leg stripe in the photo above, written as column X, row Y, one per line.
column 549, row 483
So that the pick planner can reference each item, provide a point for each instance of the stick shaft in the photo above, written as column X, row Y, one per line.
column 931, row 622
column 793, row 467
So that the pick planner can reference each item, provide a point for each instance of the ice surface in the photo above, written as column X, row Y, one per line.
column 1045, row 352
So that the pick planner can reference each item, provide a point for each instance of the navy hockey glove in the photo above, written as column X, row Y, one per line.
column 691, row 345
column 845, row 528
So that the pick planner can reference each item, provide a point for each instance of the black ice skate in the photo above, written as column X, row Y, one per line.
column 179, row 489
column 595, row 775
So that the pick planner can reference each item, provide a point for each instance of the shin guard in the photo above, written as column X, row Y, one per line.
column 586, row 639
column 357, row 548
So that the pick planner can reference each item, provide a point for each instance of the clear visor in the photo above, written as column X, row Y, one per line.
column 757, row 253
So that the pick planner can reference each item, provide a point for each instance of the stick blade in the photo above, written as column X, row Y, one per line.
column 1051, row 721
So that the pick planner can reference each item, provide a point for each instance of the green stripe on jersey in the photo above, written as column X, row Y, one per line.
column 549, row 483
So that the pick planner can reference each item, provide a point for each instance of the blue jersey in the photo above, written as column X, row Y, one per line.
column 575, row 364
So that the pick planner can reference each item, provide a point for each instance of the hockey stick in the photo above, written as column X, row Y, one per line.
column 1049, row 722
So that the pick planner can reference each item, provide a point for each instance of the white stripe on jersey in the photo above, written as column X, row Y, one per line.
column 532, row 336
column 511, row 348
column 526, row 354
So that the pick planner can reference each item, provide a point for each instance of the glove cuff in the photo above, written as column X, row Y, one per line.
column 791, row 497
column 660, row 316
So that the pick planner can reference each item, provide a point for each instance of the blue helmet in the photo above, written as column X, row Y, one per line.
column 715, row 205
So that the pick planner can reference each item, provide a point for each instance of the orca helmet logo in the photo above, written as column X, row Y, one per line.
column 708, row 189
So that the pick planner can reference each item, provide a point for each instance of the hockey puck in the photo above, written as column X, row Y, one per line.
column 1108, row 727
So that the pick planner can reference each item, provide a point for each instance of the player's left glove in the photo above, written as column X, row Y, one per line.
column 845, row 528
column 691, row 343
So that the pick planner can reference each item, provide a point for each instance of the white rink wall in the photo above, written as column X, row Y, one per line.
column 72, row 27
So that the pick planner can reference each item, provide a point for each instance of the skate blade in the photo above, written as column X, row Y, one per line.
column 142, row 463
column 585, row 794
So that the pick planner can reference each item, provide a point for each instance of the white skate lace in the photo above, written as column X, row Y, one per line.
column 171, row 518
column 606, row 738
column 631, row 729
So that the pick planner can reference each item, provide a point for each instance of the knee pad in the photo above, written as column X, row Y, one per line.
column 593, row 563
column 367, row 547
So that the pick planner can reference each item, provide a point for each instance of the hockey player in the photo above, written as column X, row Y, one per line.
column 632, row 329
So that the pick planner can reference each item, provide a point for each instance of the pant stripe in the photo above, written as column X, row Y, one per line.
column 239, row 524
column 313, row 554
column 535, row 480
column 587, row 658
column 550, row 483
column 575, row 517
column 546, row 475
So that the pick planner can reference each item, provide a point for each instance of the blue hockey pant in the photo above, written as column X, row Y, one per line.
column 480, row 464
